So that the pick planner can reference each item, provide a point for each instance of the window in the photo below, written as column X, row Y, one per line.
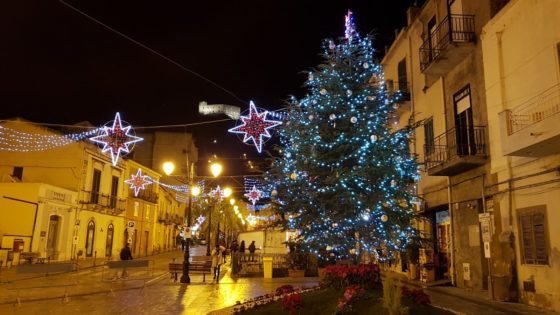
column 136, row 208
column 147, row 211
column 464, row 128
column 90, row 238
column 114, row 191
column 96, row 182
column 533, row 234
column 403, row 80
column 109, row 242
column 18, row 172
column 429, row 136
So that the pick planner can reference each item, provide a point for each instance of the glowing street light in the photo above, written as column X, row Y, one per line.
column 227, row 192
column 216, row 169
column 168, row 167
column 232, row 201
column 195, row 191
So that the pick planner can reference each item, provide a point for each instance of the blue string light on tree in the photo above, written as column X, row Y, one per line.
column 345, row 174
column 116, row 139
column 255, row 127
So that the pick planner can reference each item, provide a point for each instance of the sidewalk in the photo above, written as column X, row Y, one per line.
column 464, row 301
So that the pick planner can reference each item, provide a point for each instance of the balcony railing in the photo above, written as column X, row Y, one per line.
column 454, row 144
column 147, row 195
column 540, row 107
column 454, row 28
column 98, row 201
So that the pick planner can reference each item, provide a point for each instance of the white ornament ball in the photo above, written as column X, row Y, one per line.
column 323, row 91
column 274, row 193
column 393, row 183
column 353, row 120
column 334, row 225
column 314, row 101
column 366, row 65
column 293, row 176
column 332, row 116
column 384, row 218
column 329, row 248
column 349, row 92
column 396, row 105
column 352, row 251
column 371, row 98
column 311, row 77
column 373, row 138
column 311, row 117
column 331, row 45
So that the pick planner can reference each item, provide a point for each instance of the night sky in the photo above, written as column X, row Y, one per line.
column 58, row 66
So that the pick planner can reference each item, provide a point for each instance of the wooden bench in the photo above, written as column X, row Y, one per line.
column 29, row 256
column 46, row 269
column 198, row 264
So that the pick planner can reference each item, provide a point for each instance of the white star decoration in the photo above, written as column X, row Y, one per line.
column 253, row 195
column 138, row 182
column 116, row 139
column 255, row 126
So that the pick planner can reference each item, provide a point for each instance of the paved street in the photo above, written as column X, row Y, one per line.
column 161, row 295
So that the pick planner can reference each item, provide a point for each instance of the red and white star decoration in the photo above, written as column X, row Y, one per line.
column 116, row 139
column 217, row 193
column 255, row 126
column 138, row 182
column 253, row 195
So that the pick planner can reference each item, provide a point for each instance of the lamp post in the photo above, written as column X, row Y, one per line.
column 168, row 168
column 227, row 193
column 215, row 169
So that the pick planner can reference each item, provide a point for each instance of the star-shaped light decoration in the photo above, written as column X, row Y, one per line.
column 116, row 139
column 138, row 182
column 253, row 195
column 217, row 193
column 255, row 126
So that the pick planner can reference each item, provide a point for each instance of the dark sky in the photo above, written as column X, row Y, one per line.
column 57, row 66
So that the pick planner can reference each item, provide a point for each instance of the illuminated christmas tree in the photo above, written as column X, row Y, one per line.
column 345, row 176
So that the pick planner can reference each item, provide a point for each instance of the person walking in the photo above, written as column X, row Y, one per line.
column 252, row 249
column 178, row 241
column 234, row 259
column 125, row 254
column 217, row 261
column 242, row 251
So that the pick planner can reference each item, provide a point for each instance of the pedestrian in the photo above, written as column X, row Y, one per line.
column 252, row 249
column 178, row 241
column 242, row 250
column 217, row 261
column 234, row 247
column 126, row 254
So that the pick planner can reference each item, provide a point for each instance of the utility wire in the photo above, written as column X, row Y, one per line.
column 153, row 51
column 135, row 127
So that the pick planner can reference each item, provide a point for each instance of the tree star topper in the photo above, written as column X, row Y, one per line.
column 255, row 126
column 138, row 182
column 116, row 139
column 253, row 195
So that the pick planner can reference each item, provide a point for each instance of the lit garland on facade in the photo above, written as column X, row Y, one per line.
column 18, row 141
column 345, row 175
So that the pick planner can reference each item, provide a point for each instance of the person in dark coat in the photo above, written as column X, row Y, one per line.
column 125, row 254
column 242, row 250
column 252, row 249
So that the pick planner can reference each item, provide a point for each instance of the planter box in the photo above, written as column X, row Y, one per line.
column 296, row 273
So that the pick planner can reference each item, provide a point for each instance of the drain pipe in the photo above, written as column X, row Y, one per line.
column 452, row 272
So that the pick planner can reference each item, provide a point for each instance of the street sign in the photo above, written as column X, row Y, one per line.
column 75, row 240
column 131, row 224
column 188, row 233
column 486, row 250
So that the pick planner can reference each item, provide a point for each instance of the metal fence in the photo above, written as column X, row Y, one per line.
column 536, row 109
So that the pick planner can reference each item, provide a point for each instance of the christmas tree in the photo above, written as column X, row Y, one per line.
column 345, row 175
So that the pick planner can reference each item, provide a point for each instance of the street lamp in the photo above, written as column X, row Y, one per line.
column 215, row 169
column 227, row 192
column 168, row 167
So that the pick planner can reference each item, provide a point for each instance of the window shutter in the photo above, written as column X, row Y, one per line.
column 540, row 239
column 527, row 239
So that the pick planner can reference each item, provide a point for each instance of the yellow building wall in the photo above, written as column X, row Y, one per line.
column 521, row 59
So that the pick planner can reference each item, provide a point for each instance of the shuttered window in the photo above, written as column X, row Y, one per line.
column 533, row 237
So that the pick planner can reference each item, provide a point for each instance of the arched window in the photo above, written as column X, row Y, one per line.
column 90, row 238
column 109, row 242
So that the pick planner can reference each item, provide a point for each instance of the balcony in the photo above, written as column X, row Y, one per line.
column 147, row 195
column 456, row 151
column 96, row 201
column 448, row 44
column 401, row 91
column 532, row 129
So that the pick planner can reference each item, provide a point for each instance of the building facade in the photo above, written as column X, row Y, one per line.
column 521, row 48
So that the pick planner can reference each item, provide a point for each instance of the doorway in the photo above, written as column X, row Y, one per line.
column 109, row 241
column 443, row 245
column 52, row 236
column 90, row 238
column 464, row 127
column 146, row 237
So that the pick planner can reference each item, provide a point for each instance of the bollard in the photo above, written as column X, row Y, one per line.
column 267, row 266
column 94, row 257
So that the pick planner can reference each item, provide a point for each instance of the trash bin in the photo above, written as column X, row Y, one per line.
column 267, row 266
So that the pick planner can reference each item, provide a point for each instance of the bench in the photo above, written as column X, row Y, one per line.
column 29, row 256
column 46, row 269
column 124, row 265
column 198, row 264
